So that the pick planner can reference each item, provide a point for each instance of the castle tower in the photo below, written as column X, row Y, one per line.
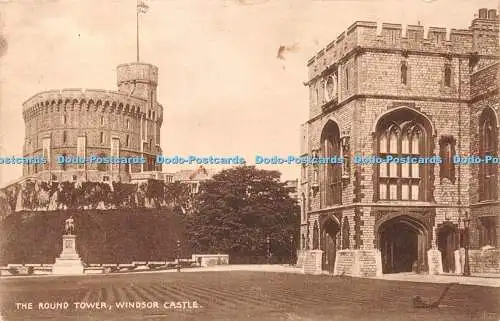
column 96, row 122
column 140, row 80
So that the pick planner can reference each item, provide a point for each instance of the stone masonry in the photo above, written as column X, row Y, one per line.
column 372, row 81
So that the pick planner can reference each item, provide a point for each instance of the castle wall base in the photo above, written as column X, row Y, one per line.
column 365, row 263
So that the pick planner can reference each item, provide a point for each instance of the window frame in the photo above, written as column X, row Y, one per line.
column 403, row 119
column 488, row 145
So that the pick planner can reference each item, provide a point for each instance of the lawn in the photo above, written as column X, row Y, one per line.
column 237, row 296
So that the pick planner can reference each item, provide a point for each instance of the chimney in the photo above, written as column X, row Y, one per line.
column 483, row 13
column 492, row 14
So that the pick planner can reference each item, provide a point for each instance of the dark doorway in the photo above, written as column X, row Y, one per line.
column 330, row 231
column 447, row 242
column 402, row 245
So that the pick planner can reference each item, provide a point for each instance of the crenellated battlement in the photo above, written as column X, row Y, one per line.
column 394, row 37
column 97, row 100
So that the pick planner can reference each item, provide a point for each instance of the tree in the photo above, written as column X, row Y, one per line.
column 238, row 209
column 177, row 197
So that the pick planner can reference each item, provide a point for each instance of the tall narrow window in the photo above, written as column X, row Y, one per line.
column 347, row 77
column 331, row 173
column 447, row 75
column 64, row 137
column 345, row 233
column 102, row 120
column 65, row 119
column 404, row 73
column 447, row 150
column 63, row 164
column 128, row 123
column 115, row 152
column 127, row 140
column 315, row 236
column 46, row 152
column 402, row 134
column 101, row 138
column 488, row 142
column 303, row 206
column 81, row 149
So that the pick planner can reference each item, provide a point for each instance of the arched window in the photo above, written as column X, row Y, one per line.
column 331, row 87
column 404, row 73
column 488, row 136
column 316, row 236
column 402, row 134
column 447, row 75
column 331, row 182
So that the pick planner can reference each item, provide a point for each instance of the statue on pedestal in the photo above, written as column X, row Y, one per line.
column 69, row 226
column 69, row 261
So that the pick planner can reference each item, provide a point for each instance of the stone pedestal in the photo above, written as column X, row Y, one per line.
column 459, row 261
column 435, row 261
column 312, row 262
column 69, row 262
column 358, row 263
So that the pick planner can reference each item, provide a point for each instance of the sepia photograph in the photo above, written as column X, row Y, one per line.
column 293, row 160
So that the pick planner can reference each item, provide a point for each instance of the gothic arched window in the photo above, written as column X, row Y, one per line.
column 331, row 173
column 402, row 134
column 488, row 142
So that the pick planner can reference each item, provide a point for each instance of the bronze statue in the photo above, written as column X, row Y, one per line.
column 69, row 226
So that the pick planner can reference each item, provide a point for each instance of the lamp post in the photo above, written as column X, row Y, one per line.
column 466, row 244
column 178, row 256
column 291, row 249
column 268, row 242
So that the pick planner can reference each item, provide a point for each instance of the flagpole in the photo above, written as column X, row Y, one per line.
column 137, row 20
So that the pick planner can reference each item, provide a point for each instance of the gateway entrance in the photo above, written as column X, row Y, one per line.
column 402, row 245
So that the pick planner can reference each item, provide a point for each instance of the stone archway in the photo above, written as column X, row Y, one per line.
column 329, row 231
column 403, row 244
column 448, row 240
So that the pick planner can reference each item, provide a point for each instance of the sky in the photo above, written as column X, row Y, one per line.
column 223, row 89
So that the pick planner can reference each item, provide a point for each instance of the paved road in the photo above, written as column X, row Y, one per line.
column 242, row 296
